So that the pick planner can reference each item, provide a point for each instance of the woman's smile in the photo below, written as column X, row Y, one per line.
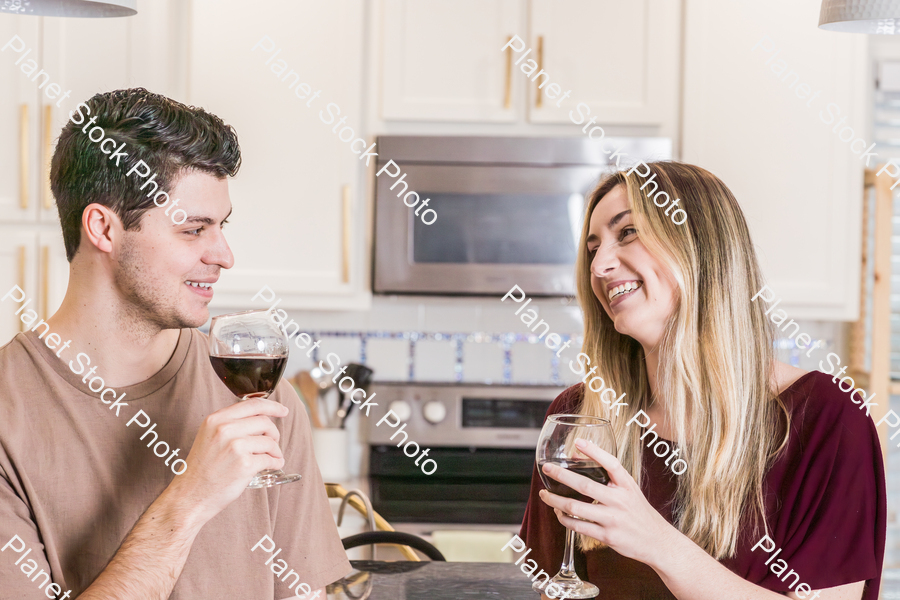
column 618, row 291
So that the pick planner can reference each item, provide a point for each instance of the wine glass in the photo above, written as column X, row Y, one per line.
column 249, row 352
column 556, row 445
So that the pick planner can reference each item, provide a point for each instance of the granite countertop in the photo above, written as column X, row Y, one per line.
column 432, row 581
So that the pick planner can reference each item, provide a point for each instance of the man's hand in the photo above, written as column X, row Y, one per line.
column 231, row 446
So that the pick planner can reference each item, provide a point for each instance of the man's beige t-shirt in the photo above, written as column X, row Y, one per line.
column 74, row 479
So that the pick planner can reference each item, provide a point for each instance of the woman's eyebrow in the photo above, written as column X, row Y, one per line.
column 612, row 223
column 618, row 217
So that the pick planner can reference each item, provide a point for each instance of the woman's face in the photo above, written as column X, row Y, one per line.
column 636, row 290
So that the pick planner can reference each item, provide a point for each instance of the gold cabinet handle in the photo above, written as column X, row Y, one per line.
column 23, row 156
column 22, row 266
column 539, row 99
column 507, row 94
column 45, row 281
column 345, row 263
column 48, row 139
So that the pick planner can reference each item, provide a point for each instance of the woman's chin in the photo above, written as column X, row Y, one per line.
column 634, row 327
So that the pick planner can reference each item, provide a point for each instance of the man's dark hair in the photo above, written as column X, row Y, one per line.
column 170, row 137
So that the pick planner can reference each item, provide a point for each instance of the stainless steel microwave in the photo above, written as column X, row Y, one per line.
column 509, row 210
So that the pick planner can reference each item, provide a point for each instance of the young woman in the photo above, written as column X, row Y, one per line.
column 773, row 453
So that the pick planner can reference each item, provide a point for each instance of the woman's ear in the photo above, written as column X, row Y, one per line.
column 101, row 226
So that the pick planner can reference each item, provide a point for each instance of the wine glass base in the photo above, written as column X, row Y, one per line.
column 271, row 478
column 572, row 588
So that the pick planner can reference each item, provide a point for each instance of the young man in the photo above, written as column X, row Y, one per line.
column 90, row 397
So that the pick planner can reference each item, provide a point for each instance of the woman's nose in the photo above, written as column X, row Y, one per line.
column 605, row 260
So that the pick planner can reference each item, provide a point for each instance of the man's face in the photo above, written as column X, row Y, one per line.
column 165, row 271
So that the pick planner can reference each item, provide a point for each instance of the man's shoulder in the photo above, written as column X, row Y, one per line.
column 18, row 354
column 12, row 346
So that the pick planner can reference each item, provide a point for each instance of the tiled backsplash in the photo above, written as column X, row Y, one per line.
column 476, row 340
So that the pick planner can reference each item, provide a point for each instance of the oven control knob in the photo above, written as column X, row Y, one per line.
column 402, row 409
column 434, row 412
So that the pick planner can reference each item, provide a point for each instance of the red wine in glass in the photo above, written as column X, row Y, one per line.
column 589, row 468
column 556, row 445
column 248, row 351
column 249, row 374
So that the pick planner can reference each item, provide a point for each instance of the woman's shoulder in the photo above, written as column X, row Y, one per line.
column 825, row 407
column 568, row 400
column 785, row 375
column 827, row 486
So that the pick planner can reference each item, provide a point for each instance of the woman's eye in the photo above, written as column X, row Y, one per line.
column 626, row 231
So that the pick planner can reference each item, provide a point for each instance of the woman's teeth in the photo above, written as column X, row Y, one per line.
column 624, row 289
column 202, row 285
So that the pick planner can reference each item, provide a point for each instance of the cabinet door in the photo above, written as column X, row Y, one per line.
column 756, row 113
column 53, row 270
column 442, row 59
column 622, row 59
column 298, row 223
column 19, row 118
column 18, row 261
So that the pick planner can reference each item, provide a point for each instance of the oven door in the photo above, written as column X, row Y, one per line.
column 497, row 226
column 473, row 485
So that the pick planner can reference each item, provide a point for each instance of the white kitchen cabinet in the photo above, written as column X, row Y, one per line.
column 36, row 263
column 66, row 49
column 19, row 120
column 750, row 123
column 53, row 270
column 299, row 223
column 622, row 59
column 18, row 267
column 442, row 59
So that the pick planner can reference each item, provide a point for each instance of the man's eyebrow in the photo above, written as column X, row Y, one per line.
column 202, row 220
column 206, row 220
column 618, row 217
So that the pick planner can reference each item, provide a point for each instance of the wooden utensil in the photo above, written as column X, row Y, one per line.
column 310, row 392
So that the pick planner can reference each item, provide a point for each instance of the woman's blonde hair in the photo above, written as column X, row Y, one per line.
column 716, row 354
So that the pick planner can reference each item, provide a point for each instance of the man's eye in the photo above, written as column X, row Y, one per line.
column 194, row 232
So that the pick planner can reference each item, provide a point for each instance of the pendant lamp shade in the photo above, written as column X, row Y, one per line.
column 860, row 16
column 70, row 8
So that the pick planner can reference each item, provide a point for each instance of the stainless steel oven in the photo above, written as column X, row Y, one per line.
column 481, row 437
column 509, row 210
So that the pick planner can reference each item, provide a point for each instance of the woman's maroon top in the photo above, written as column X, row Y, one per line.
column 825, row 501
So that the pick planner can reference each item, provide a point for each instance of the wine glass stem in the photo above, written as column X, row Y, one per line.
column 568, row 564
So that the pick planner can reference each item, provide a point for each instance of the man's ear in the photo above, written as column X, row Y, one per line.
column 100, row 226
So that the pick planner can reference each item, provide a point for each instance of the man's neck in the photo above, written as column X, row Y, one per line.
column 125, row 348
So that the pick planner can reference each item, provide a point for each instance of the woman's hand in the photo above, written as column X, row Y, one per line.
column 621, row 517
